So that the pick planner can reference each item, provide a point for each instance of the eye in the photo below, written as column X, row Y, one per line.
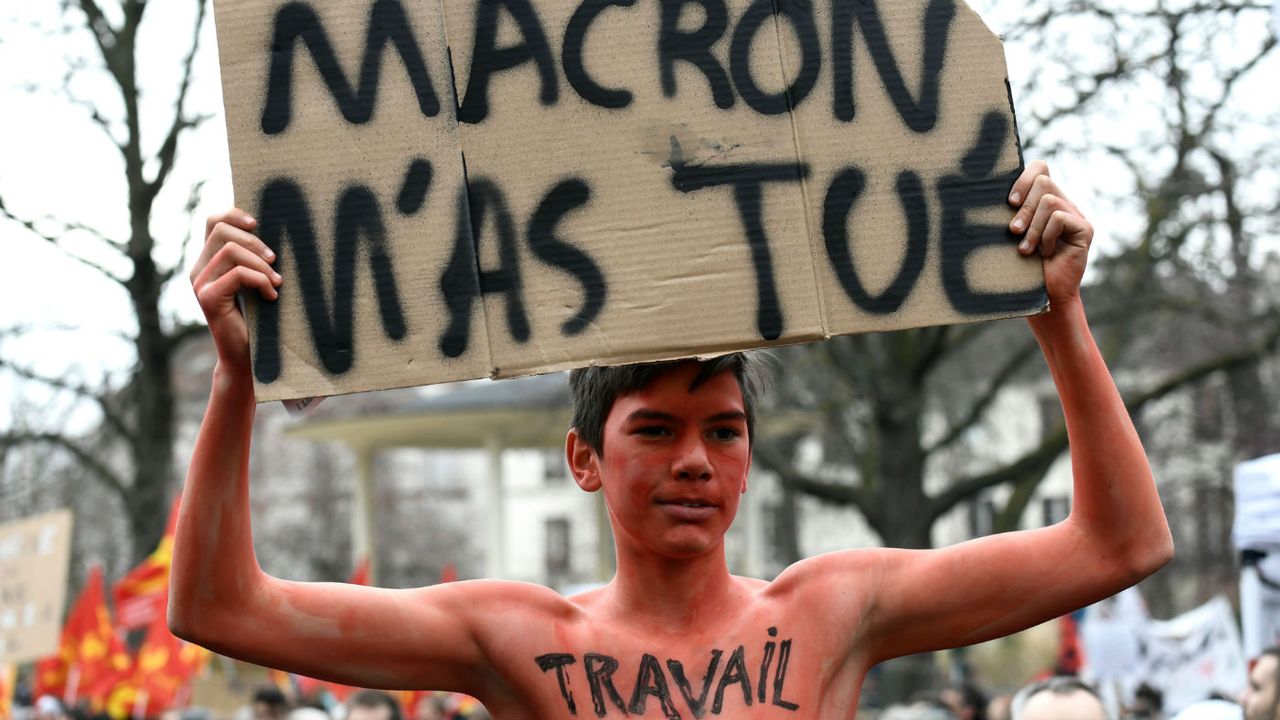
column 652, row 431
column 725, row 434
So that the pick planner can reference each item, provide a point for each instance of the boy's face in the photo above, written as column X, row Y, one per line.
column 675, row 463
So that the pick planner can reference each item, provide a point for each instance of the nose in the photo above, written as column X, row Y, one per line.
column 690, row 461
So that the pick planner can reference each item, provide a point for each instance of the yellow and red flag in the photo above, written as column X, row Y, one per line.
column 164, row 667
column 8, row 678
column 91, row 659
column 140, row 594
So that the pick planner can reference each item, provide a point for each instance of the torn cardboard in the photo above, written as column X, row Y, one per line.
column 459, row 189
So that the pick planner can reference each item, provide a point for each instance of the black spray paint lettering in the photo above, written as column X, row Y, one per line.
column 388, row 23
column 919, row 114
column 746, row 181
column 463, row 281
column 286, row 225
column 976, row 187
column 652, row 682
column 575, row 71
column 487, row 58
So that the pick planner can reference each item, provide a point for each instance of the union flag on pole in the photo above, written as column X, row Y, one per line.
column 140, row 594
column 91, row 659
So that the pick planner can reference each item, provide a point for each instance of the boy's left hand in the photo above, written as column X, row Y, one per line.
column 1052, row 225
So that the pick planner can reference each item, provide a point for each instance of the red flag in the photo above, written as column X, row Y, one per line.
column 449, row 573
column 165, row 665
column 91, row 659
column 140, row 594
column 8, row 674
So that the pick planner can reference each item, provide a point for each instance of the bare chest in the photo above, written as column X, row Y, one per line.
column 766, row 668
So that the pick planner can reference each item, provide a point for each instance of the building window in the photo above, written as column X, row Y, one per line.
column 554, row 469
column 1056, row 509
column 556, row 549
column 982, row 518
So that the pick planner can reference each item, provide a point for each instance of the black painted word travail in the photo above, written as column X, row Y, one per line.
column 736, row 679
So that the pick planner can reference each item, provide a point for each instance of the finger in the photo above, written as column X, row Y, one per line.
column 234, row 216
column 1042, row 185
column 1023, row 184
column 1064, row 227
column 1036, row 236
column 217, row 297
column 229, row 256
column 224, row 233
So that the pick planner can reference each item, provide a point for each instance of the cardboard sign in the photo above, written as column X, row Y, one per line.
column 467, row 188
column 34, row 557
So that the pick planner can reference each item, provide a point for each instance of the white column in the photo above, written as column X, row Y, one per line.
column 362, row 521
column 496, row 497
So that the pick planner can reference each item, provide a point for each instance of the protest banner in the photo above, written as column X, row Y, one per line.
column 34, row 557
column 468, row 188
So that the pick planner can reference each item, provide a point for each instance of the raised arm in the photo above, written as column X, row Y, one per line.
column 220, row 598
column 914, row 601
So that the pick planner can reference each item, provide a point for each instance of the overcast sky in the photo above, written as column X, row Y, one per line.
column 54, row 162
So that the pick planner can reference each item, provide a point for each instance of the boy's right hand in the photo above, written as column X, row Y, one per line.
column 232, row 258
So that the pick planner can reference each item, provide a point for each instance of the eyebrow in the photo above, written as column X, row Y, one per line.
column 658, row 415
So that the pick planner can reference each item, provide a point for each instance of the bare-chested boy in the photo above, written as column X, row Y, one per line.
column 673, row 634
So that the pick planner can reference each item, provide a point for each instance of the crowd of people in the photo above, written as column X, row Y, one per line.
column 1059, row 697
column 1067, row 697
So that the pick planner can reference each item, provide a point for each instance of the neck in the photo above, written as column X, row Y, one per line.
column 672, row 593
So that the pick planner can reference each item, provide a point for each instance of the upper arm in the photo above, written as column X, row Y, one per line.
column 424, row 638
column 987, row 588
column 885, row 603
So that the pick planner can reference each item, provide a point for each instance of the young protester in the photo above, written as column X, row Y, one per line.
column 674, row 634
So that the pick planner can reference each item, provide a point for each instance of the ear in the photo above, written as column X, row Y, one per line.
column 584, row 463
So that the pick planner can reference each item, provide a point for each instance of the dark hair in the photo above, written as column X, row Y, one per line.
column 373, row 699
column 973, row 697
column 594, row 389
column 270, row 695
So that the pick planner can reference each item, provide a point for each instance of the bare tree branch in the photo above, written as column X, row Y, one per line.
column 168, row 150
column 32, row 227
column 839, row 493
column 110, row 415
column 85, row 457
column 994, row 387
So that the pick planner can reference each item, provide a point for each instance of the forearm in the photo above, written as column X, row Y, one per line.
column 214, row 567
column 1115, row 499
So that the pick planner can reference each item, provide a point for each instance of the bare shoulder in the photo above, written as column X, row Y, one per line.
column 840, row 585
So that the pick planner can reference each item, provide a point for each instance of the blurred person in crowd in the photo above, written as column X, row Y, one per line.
column 306, row 712
column 966, row 701
column 1063, row 697
column 49, row 707
column 670, row 447
column 373, row 705
column 1262, row 695
column 918, row 710
column 998, row 706
column 431, row 708
column 1211, row 709
column 269, row 703
column 1148, row 703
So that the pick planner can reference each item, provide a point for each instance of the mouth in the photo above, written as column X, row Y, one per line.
column 688, row 509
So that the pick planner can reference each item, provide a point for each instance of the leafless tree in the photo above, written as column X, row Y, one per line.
column 132, row 455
